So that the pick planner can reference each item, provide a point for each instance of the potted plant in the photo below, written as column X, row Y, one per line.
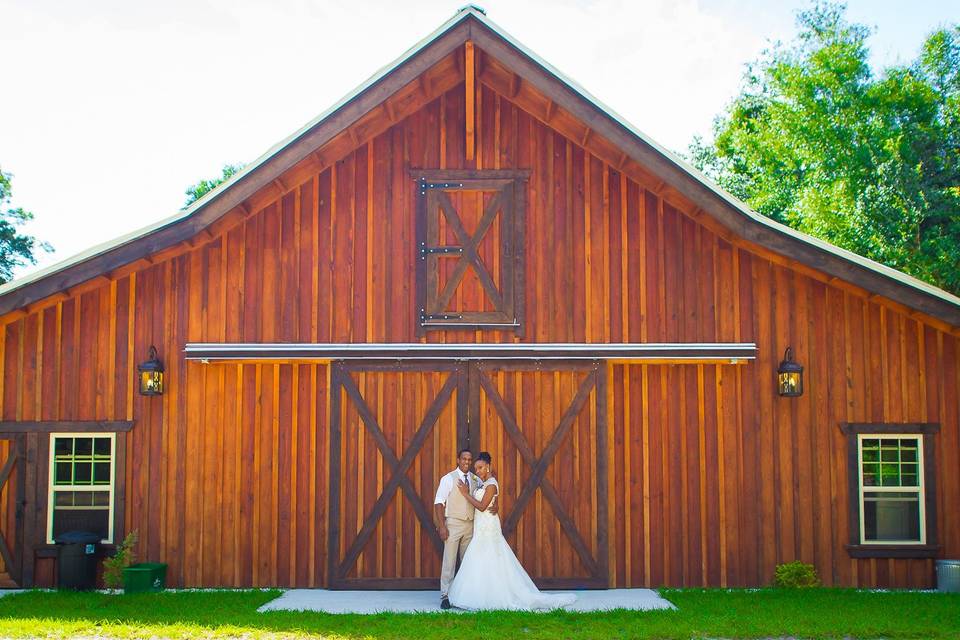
column 134, row 577
column 113, row 567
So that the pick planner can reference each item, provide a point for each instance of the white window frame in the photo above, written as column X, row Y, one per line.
column 920, row 489
column 109, row 489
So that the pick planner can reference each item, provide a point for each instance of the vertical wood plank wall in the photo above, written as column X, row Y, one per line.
column 714, row 479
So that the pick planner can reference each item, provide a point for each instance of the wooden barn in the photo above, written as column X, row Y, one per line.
column 470, row 250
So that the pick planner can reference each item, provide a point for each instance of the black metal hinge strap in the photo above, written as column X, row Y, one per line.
column 424, row 185
column 426, row 317
column 425, row 250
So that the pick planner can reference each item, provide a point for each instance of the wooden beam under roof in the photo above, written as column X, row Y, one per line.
column 471, row 89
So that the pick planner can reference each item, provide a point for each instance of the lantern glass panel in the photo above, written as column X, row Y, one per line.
column 790, row 383
column 151, row 382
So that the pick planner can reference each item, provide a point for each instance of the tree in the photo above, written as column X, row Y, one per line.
column 16, row 249
column 868, row 162
column 197, row 191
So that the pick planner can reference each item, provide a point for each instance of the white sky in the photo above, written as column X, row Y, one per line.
column 109, row 109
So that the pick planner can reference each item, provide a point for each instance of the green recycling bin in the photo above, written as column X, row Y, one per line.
column 145, row 577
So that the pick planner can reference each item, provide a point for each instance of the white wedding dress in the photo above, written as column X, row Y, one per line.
column 491, row 577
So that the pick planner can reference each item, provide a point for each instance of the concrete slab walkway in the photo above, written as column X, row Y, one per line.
column 429, row 601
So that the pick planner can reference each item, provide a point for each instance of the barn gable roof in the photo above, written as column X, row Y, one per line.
column 471, row 23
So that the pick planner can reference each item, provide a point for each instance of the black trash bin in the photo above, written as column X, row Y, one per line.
column 77, row 560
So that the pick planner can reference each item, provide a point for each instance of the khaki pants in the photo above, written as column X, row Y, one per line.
column 461, row 532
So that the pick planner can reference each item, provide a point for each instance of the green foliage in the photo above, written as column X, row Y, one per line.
column 124, row 557
column 796, row 574
column 868, row 162
column 197, row 191
column 16, row 249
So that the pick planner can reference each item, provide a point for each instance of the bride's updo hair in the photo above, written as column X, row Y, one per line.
column 483, row 455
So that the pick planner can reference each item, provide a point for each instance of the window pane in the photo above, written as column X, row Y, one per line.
column 889, row 475
column 84, row 447
column 888, row 454
column 63, row 473
column 101, row 446
column 82, row 473
column 63, row 498
column 63, row 446
column 82, row 498
column 891, row 517
column 871, row 443
column 908, row 455
column 101, row 499
column 871, row 455
column 101, row 472
column 95, row 519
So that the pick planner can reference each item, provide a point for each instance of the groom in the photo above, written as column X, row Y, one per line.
column 453, row 516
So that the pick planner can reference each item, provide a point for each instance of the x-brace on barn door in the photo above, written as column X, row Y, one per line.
column 12, row 497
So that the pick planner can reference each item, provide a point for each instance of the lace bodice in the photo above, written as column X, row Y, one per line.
column 485, row 523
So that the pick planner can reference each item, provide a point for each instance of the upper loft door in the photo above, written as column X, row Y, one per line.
column 470, row 240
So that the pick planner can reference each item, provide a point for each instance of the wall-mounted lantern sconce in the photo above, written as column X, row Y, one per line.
column 151, row 375
column 789, row 376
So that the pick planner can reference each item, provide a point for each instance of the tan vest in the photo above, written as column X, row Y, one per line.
column 457, row 506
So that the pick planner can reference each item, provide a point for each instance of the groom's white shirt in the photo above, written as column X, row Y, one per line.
column 449, row 482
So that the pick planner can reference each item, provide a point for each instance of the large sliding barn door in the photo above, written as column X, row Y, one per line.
column 395, row 429
column 546, row 429
column 11, row 510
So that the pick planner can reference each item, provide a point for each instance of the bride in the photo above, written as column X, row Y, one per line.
column 490, row 576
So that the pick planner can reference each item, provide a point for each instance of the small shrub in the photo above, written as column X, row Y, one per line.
column 124, row 557
column 796, row 575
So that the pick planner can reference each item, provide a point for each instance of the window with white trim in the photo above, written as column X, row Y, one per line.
column 81, row 484
column 891, row 489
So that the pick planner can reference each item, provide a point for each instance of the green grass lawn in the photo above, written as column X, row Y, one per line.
column 708, row 613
